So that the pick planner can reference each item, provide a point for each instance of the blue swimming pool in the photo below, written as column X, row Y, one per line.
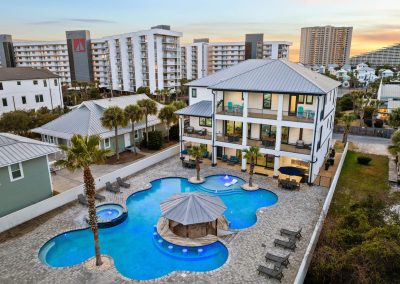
column 138, row 252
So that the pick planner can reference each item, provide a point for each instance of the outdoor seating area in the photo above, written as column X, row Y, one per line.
column 231, row 109
column 202, row 133
column 289, row 184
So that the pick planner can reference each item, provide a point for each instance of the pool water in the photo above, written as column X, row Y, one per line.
column 108, row 211
column 133, row 244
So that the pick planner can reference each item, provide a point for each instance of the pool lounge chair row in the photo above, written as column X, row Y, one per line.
column 109, row 187
column 231, row 161
column 280, row 261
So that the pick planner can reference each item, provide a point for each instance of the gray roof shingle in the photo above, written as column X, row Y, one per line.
column 201, row 109
column 25, row 73
column 15, row 149
column 262, row 75
column 85, row 119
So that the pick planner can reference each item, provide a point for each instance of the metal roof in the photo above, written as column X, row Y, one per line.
column 85, row 119
column 390, row 91
column 15, row 149
column 192, row 208
column 25, row 73
column 265, row 75
column 201, row 109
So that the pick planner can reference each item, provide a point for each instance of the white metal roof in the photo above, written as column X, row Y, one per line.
column 85, row 119
column 266, row 75
column 201, row 109
column 192, row 208
column 15, row 149
column 389, row 91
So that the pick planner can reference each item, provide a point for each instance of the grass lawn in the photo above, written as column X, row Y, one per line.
column 357, row 181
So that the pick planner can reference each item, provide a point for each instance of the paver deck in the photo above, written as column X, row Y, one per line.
column 19, row 247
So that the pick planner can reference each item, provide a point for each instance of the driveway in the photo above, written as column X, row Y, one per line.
column 367, row 144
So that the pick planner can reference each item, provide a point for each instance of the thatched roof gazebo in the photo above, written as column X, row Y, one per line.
column 193, row 214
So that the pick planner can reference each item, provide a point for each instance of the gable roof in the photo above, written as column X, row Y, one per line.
column 15, row 149
column 25, row 73
column 264, row 75
column 200, row 109
column 85, row 119
column 389, row 91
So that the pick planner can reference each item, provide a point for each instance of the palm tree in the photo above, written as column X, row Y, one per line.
column 346, row 119
column 178, row 104
column 394, row 118
column 149, row 107
column 251, row 155
column 375, row 105
column 85, row 151
column 197, row 153
column 113, row 117
column 135, row 114
column 167, row 116
column 164, row 93
column 394, row 147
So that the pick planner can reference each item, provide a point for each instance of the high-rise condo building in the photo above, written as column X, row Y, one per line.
column 325, row 45
column 389, row 55
column 7, row 58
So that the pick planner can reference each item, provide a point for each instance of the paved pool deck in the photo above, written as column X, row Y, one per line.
column 19, row 247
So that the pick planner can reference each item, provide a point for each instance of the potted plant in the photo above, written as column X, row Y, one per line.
column 327, row 164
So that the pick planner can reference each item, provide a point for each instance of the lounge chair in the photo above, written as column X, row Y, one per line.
column 224, row 158
column 271, row 273
column 100, row 197
column 205, row 154
column 111, row 188
column 291, row 244
column 293, row 234
column 277, row 259
column 82, row 199
column 120, row 182
column 233, row 160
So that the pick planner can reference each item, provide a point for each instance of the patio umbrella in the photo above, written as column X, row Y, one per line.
column 291, row 171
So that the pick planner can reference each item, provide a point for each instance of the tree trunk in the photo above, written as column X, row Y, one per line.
column 251, row 172
column 90, row 192
column 198, row 168
column 147, row 133
column 133, row 137
column 168, row 133
column 116, row 143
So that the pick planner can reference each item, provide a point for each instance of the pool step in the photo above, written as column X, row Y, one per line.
column 221, row 192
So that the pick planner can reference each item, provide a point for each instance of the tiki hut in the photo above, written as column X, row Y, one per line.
column 193, row 214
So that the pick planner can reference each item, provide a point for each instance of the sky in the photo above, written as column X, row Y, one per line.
column 375, row 23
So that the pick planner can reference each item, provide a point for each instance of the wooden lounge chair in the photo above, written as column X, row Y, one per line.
column 120, row 182
column 111, row 188
column 271, row 273
column 82, row 199
column 277, row 259
column 100, row 197
column 291, row 244
column 293, row 234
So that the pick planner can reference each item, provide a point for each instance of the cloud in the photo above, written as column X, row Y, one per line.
column 69, row 20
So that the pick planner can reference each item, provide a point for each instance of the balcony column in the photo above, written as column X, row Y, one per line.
column 181, row 124
column 278, row 136
column 214, row 130
column 280, row 107
column 245, row 103
column 244, row 144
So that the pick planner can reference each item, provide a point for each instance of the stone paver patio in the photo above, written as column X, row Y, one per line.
column 19, row 247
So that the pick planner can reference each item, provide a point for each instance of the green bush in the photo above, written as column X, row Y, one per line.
column 345, row 103
column 174, row 132
column 156, row 140
column 378, row 123
column 363, row 160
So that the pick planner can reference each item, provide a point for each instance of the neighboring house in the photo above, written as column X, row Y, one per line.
column 390, row 95
column 24, row 172
column 85, row 119
column 342, row 75
column 365, row 74
column 25, row 88
column 284, row 108
column 387, row 73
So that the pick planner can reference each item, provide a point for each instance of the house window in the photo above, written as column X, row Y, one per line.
column 136, row 134
column 35, row 82
column 4, row 100
column 309, row 100
column 45, row 83
column 55, row 82
column 15, row 172
column 107, row 143
column 194, row 93
column 204, row 121
column 320, row 137
column 267, row 100
column 1, row 86
column 39, row 98
column 301, row 99
column 19, row 83
column 23, row 100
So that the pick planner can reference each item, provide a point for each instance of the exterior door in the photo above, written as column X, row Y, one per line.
column 127, row 139
column 293, row 105
column 219, row 151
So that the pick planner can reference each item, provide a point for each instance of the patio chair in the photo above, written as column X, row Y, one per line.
column 290, row 244
column 111, row 188
column 99, row 197
column 82, row 199
column 271, row 273
column 205, row 154
column 300, row 111
column 230, row 107
column 233, row 160
column 280, row 260
column 190, row 130
column 120, row 182
column 293, row 234
column 224, row 158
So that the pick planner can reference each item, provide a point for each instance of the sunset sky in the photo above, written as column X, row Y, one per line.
column 376, row 23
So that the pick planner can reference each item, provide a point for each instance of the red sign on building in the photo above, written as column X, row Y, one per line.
column 79, row 45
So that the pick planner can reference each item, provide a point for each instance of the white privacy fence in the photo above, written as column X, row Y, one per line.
column 18, row 217
column 301, row 274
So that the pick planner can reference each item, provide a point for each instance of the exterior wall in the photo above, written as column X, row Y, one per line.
column 13, row 93
column 203, row 94
column 34, row 187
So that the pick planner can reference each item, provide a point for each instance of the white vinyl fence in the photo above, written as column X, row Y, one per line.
column 301, row 274
column 18, row 217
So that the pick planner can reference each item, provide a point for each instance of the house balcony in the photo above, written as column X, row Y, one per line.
column 262, row 113
column 299, row 116
column 236, row 110
column 263, row 143
column 296, row 148
column 197, row 133
column 229, row 138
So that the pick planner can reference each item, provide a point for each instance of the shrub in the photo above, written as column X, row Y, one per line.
column 345, row 103
column 156, row 140
column 368, row 122
column 378, row 123
column 174, row 132
column 363, row 160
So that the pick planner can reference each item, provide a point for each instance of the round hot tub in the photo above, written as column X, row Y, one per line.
column 110, row 214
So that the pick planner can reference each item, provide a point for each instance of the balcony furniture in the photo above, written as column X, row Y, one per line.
column 202, row 132
column 309, row 114
column 268, row 142
column 205, row 154
column 224, row 158
column 230, row 107
column 271, row 273
column 293, row 234
column 184, row 152
column 300, row 144
column 233, row 160
column 189, row 130
column 300, row 111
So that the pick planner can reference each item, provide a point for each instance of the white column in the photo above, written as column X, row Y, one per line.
column 245, row 103
column 278, row 135
column 276, row 167
column 180, row 135
column 280, row 107
column 214, row 129
column 244, row 164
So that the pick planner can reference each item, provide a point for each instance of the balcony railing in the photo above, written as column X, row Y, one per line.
column 305, row 116
column 267, row 142
column 306, row 149
column 230, row 110
column 202, row 134
column 262, row 113
column 229, row 138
